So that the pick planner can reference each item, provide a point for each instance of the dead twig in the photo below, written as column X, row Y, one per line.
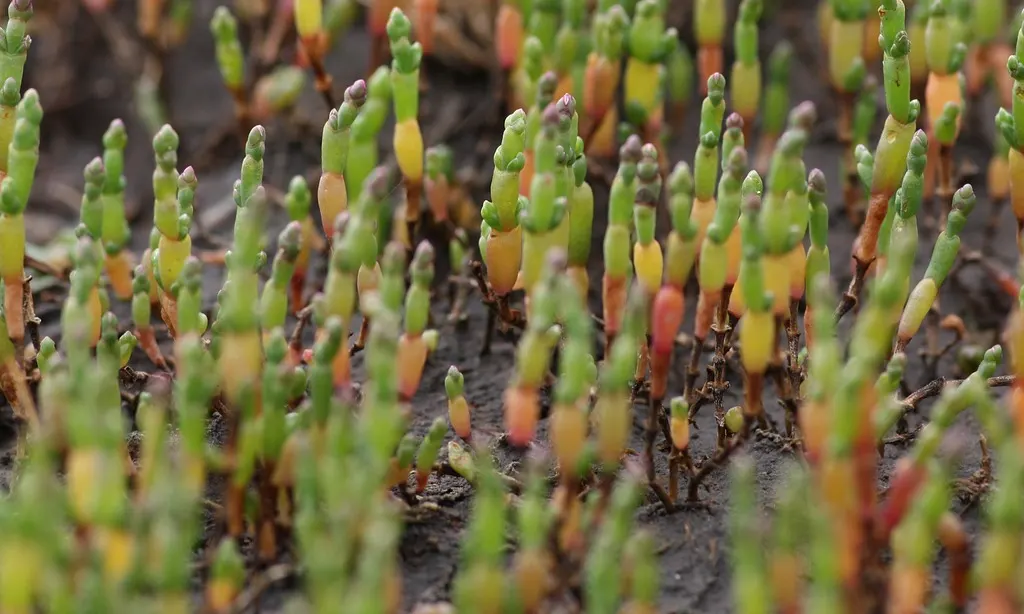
column 45, row 268
column 715, row 461
column 129, row 377
column 514, row 486
column 936, row 386
column 260, row 584
column 32, row 321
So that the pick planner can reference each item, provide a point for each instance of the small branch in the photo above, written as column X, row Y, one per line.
column 663, row 497
column 702, row 397
column 131, row 377
column 852, row 294
column 509, row 317
column 903, row 438
column 28, row 306
column 650, row 434
column 717, row 460
column 45, row 268
column 323, row 82
column 132, row 400
column 295, row 340
column 936, row 386
column 260, row 584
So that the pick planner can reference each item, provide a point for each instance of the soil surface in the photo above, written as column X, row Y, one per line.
column 86, row 69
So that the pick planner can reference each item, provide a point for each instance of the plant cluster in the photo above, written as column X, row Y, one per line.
column 319, row 467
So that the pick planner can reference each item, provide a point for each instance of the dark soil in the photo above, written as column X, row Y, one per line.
column 84, row 85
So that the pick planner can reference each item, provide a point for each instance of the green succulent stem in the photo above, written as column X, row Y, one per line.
column 776, row 92
column 405, row 67
column 115, row 231
column 338, row 129
column 15, row 41
column 709, row 22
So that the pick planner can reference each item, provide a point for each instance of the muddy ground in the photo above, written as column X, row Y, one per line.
column 85, row 69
